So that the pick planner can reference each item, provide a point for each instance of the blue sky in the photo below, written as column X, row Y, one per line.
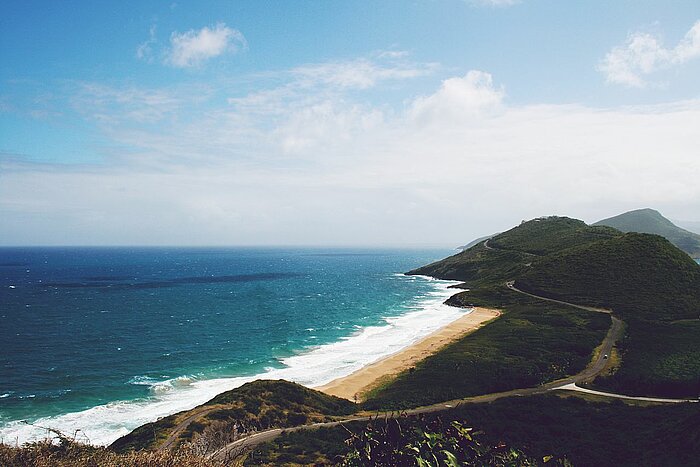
column 341, row 122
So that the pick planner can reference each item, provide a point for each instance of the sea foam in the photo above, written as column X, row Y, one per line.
column 314, row 367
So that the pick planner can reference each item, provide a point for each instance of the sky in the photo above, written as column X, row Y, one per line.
column 341, row 123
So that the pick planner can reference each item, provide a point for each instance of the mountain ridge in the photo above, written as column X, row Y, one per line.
column 651, row 221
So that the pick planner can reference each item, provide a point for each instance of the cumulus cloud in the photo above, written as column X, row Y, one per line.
column 468, row 98
column 193, row 48
column 644, row 54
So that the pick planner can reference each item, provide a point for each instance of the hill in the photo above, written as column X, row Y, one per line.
column 645, row 279
column 474, row 242
column 652, row 222
column 640, row 276
column 254, row 406
column 509, row 254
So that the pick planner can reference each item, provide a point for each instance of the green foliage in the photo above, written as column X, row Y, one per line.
column 512, row 253
column 658, row 359
column 645, row 279
column 586, row 433
column 284, row 395
column 532, row 343
column 651, row 285
column 477, row 265
column 652, row 222
column 591, row 433
column 394, row 442
column 145, row 436
column 550, row 235
column 323, row 446
column 640, row 276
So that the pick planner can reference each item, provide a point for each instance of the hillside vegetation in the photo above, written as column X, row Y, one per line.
column 585, row 433
column 534, row 342
column 640, row 276
column 509, row 254
column 652, row 222
column 647, row 281
column 254, row 406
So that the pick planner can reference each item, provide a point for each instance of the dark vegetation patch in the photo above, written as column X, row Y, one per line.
column 323, row 446
column 550, row 235
column 585, row 433
column 639, row 276
column 533, row 342
column 658, row 359
column 651, row 285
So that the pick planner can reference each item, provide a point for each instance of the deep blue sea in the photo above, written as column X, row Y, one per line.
column 105, row 339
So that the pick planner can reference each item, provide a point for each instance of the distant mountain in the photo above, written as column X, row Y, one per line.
column 693, row 226
column 652, row 222
column 475, row 242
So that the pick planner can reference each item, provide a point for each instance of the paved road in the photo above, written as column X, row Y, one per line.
column 511, row 286
column 574, row 387
column 568, row 383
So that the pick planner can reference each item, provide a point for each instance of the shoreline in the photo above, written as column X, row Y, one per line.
column 355, row 385
column 104, row 423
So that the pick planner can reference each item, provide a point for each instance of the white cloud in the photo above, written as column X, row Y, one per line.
column 644, row 54
column 301, row 165
column 192, row 48
column 361, row 73
column 470, row 97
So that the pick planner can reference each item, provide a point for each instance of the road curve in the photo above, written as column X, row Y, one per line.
column 574, row 387
column 511, row 286
column 568, row 383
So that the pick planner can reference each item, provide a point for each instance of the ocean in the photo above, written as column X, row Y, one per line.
column 103, row 340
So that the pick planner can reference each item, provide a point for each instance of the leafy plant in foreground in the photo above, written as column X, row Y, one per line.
column 389, row 443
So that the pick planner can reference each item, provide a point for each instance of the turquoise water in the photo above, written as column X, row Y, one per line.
column 104, row 339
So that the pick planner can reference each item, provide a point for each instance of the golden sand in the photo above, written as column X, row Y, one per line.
column 353, row 386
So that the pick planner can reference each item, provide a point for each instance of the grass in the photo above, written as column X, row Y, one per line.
column 533, row 342
column 586, row 433
column 658, row 359
column 72, row 454
column 655, row 288
column 550, row 235
column 324, row 446
column 649, row 283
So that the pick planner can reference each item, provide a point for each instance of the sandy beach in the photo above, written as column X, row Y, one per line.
column 366, row 378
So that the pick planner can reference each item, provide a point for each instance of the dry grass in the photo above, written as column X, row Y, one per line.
column 65, row 452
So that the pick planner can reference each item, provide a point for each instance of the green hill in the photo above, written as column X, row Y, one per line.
column 509, row 254
column 652, row 222
column 475, row 242
column 645, row 279
column 640, row 276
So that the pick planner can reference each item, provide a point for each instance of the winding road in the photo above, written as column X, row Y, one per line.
column 569, row 383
